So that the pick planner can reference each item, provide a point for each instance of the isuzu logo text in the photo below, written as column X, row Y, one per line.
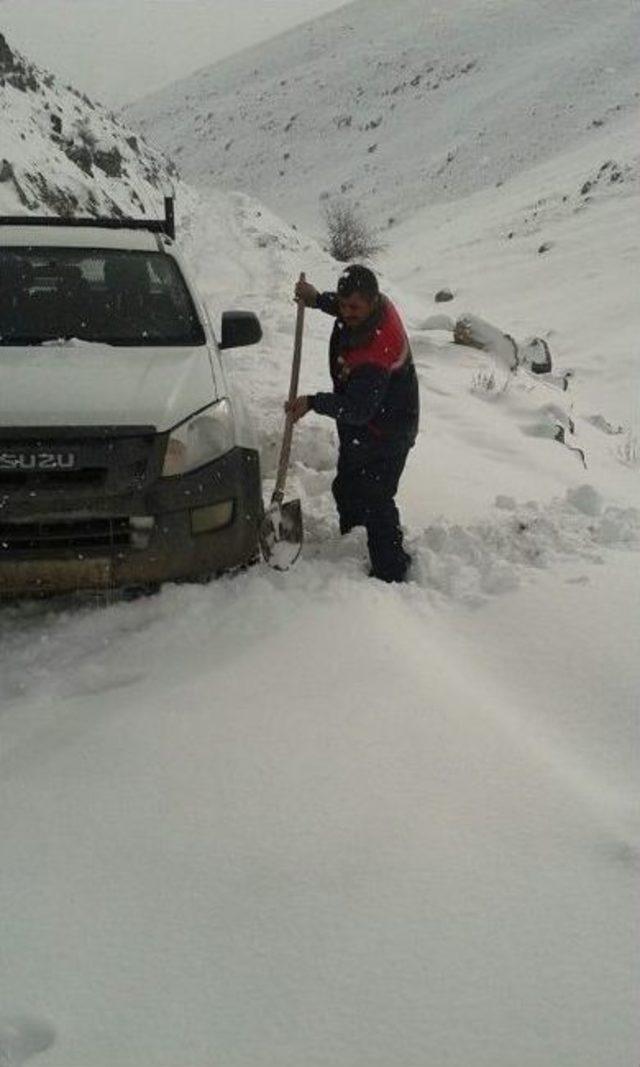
column 37, row 461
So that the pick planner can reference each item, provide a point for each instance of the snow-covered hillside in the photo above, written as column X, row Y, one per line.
column 397, row 105
column 61, row 154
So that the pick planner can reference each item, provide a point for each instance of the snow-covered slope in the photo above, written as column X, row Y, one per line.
column 564, row 228
column 397, row 105
column 61, row 154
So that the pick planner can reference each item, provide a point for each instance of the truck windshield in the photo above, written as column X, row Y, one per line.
column 112, row 296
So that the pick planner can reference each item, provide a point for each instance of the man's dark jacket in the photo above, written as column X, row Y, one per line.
column 375, row 396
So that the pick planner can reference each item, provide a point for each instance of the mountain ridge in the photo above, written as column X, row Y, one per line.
column 399, row 107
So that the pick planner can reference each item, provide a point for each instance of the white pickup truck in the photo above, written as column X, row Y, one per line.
column 124, row 461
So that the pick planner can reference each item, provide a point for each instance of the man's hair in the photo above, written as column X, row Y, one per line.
column 358, row 279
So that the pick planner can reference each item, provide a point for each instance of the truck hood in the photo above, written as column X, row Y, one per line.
column 76, row 383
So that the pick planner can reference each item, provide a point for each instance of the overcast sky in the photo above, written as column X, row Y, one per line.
column 118, row 50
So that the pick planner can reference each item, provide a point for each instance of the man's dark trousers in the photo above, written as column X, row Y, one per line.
column 364, row 490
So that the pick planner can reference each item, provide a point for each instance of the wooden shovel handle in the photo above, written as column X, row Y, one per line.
column 285, row 451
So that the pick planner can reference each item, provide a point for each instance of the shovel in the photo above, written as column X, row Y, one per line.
column 281, row 532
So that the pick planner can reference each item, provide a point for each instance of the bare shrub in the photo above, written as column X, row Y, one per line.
column 350, row 237
column 483, row 381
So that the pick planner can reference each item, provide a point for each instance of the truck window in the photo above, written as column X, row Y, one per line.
column 110, row 296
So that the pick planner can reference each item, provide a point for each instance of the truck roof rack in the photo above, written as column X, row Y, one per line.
column 166, row 225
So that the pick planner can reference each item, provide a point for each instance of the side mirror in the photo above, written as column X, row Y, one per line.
column 239, row 328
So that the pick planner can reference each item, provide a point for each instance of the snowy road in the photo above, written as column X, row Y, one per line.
column 244, row 833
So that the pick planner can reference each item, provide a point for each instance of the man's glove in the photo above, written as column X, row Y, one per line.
column 307, row 293
column 298, row 408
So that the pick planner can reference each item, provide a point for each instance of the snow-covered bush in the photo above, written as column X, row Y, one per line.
column 350, row 237
column 483, row 381
column 628, row 451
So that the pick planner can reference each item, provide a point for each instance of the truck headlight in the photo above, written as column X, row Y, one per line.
column 200, row 439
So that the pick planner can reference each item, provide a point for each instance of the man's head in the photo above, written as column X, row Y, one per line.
column 358, row 294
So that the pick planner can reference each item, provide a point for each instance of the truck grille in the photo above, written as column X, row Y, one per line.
column 53, row 479
column 76, row 463
column 95, row 536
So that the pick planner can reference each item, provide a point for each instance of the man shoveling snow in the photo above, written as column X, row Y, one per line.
column 375, row 403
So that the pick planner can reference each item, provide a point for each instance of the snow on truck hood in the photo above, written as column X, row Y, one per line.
column 76, row 383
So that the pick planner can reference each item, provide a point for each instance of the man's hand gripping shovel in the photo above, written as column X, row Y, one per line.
column 281, row 531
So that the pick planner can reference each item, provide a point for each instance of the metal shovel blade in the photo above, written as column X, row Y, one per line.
column 281, row 533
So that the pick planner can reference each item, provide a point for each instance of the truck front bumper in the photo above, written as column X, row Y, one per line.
column 188, row 527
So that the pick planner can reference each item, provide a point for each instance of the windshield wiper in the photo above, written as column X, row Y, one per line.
column 115, row 342
column 20, row 341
